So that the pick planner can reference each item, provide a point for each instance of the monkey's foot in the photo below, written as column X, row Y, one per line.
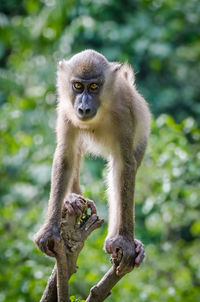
column 47, row 239
column 77, row 205
column 126, row 253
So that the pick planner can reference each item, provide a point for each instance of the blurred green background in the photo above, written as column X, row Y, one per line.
column 161, row 39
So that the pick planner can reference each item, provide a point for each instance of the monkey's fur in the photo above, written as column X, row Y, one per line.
column 101, row 112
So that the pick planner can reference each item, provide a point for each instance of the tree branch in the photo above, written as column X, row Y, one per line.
column 50, row 292
column 74, row 232
column 102, row 290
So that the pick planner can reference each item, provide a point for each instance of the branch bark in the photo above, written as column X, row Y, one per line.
column 74, row 232
column 102, row 290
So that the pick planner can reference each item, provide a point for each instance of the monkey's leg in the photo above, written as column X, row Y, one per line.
column 74, row 201
column 63, row 166
column 121, row 213
column 75, row 187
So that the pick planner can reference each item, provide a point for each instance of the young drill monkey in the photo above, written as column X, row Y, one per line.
column 101, row 112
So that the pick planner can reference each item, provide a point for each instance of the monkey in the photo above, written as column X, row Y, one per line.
column 100, row 112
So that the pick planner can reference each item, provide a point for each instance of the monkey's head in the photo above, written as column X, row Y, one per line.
column 81, row 83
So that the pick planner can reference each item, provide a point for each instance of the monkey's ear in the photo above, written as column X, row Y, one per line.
column 125, row 70
column 128, row 73
column 115, row 66
column 62, row 65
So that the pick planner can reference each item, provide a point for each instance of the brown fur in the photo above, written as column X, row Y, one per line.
column 119, row 132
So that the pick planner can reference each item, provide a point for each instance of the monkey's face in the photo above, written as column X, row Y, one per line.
column 81, row 84
column 86, row 97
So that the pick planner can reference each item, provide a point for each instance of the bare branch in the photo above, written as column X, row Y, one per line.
column 102, row 290
column 62, row 274
column 50, row 293
column 74, row 232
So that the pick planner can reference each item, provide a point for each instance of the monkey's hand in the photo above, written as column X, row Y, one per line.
column 47, row 239
column 126, row 253
column 76, row 204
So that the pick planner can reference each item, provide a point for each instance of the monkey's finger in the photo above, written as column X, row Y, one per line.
column 138, row 245
column 91, row 206
column 73, row 197
column 123, row 269
column 114, row 253
column 76, row 209
column 108, row 248
column 82, row 198
column 68, row 207
column 140, row 253
column 126, row 265
column 53, row 245
column 139, row 259
column 81, row 205
column 50, row 253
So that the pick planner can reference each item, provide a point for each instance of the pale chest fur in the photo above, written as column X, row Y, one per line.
column 100, row 144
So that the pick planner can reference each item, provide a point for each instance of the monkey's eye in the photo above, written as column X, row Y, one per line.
column 94, row 86
column 78, row 86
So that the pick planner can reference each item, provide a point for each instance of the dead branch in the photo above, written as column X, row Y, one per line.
column 74, row 232
column 102, row 290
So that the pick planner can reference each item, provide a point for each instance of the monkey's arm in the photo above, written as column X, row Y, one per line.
column 62, row 176
column 121, row 212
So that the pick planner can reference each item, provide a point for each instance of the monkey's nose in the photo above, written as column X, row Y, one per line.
column 85, row 112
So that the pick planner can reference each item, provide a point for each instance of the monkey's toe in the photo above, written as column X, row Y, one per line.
column 139, row 248
column 75, row 205
column 91, row 206
column 78, row 205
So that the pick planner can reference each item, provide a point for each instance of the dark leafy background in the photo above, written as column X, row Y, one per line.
column 160, row 39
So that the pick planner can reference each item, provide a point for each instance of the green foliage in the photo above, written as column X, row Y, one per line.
column 161, row 40
column 167, row 218
column 74, row 299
